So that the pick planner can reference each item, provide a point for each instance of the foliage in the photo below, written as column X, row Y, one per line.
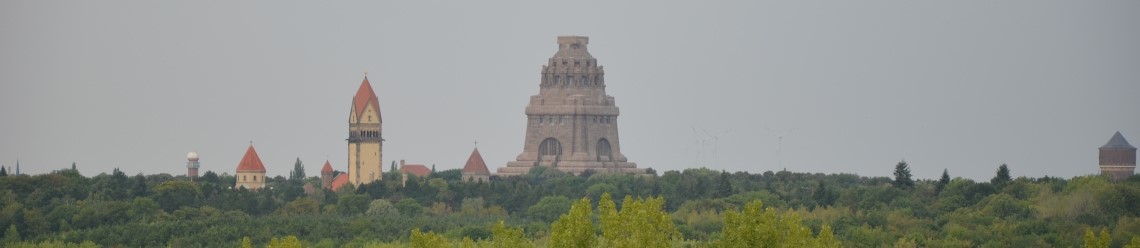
column 696, row 207
column 549, row 208
column 902, row 176
column 1002, row 176
column 381, row 207
column 506, row 237
column 286, row 242
column 426, row 240
column 574, row 229
column 756, row 226
column 1097, row 241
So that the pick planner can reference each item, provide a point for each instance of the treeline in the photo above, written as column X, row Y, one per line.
column 694, row 207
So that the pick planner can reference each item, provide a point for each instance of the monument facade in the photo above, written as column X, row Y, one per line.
column 572, row 123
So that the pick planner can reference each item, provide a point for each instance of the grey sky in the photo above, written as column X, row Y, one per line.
column 963, row 85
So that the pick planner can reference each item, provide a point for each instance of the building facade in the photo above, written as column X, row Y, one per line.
column 1118, row 158
column 571, row 123
column 250, row 171
column 365, row 145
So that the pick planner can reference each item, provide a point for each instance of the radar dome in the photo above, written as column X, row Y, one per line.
column 192, row 156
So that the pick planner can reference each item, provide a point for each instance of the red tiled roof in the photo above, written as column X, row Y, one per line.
column 327, row 168
column 251, row 162
column 339, row 181
column 365, row 96
column 416, row 169
column 475, row 164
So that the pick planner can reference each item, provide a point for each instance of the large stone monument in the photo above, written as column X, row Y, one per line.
column 572, row 123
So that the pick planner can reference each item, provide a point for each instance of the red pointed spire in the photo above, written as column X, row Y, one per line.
column 251, row 162
column 475, row 164
column 365, row 96
column 327, row 169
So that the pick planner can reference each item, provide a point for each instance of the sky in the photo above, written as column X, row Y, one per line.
column 806, row 86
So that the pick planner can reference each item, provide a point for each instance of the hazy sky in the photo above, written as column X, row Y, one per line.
column 961, row 85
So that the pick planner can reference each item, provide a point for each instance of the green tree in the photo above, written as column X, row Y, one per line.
column 298, row 172
column 902, row 176
column 426, row 240
column 942, row 181
column 760, row 227
column 574, row 229
column 505, row 237
column 381, row 207
column 1094, row 241
column 246, row 243
column 285, row 242
column 1002, row 177
column 549, row 208
column 723, row 185
column 826, row 239
column 300, row 206
column 352, row 204
column 640, row 223
column 175, row 194
column 11, row 236
column 3, row 171
column 143, row 209
column 1135, row 243
column 409, row 207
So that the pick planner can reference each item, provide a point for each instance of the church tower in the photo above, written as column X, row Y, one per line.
column 364, row 141
column 250, row 171
column 1118, row 158
column 571, row 123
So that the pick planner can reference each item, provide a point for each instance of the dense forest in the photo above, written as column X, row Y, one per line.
column 548, row 208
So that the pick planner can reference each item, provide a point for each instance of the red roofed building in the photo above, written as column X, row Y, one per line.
column 339, row 182
column 419, row 170
column 250, row 171
column 327, row 175
column 365, row 145
column 476, row 170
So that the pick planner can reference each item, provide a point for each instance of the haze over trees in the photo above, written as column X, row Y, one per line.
column 547, row 208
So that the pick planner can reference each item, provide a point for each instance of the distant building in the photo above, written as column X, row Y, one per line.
column 572, row 123
column 250, row 171
column 327, row 175
column 365, row 145
column 476, row 170
column 192, row 165
column 1118, row 158
column 418, row 170
column 338, row 182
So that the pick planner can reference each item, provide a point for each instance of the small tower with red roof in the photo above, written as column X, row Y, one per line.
column 476, row 170
column 326, row 175
column 250, row 171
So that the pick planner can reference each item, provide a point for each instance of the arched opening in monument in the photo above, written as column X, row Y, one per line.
column 549, row 150
column 550, row 147
column 603, row 150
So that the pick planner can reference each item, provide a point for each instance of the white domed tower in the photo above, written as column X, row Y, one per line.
column 192, row 165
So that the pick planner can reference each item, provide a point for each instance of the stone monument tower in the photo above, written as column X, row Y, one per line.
column 571, row 123
column 1118, row 158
